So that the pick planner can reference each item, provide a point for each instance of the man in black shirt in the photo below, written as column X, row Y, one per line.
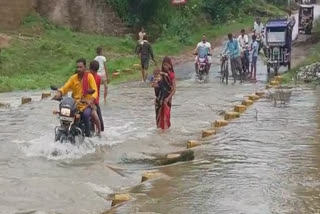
column 145, row 52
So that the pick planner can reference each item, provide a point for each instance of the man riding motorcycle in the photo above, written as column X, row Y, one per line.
column 203, row 51
column 243, row 40
column 79, row 84
column 258, row 30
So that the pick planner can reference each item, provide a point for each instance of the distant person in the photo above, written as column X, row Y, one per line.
column 203, row 50
column 145, row 52
column 142, row 33
column 243, row 40
column 255, row 54
column 94, row 67
column 232, row 48
column 258, row 29
column 165, row 87
column 103, row 71
column 291, row 19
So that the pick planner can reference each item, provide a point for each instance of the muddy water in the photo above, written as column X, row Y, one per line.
column 265, row 162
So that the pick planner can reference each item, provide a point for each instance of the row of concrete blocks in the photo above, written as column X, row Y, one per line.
column 118, row 199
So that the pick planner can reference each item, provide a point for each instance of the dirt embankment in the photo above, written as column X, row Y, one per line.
column 92, row 16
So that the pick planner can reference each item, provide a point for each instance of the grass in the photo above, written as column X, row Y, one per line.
column 45, row 54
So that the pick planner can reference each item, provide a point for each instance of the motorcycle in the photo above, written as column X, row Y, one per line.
column 71, row 123
column 202, row 68
column 245, row 59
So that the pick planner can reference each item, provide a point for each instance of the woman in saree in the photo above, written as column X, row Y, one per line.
column 165, row 87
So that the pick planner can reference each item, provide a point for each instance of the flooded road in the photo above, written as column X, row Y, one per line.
column 265, row 162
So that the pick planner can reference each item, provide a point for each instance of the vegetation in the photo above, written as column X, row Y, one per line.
column 46, row 53
column 313, row 56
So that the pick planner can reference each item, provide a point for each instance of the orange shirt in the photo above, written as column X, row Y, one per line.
column 74, row 85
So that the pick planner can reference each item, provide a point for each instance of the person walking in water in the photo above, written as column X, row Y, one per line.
column 145, row 52
column 165, row 87
column 103, row 72
column 97, row 115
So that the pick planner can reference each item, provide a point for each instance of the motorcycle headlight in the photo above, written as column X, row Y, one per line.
column 65, row 112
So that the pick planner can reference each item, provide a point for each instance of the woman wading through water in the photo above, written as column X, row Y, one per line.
column 165, row 87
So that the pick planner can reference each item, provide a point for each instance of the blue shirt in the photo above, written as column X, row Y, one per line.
column 232, row 48
column 255, row 49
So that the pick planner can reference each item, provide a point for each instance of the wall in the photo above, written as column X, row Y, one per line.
column 13, row 11
column 93, row 16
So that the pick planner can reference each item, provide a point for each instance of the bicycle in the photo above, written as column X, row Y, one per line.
column 224, row 68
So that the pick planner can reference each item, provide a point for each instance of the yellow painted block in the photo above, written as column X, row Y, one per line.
column 25, row 100
column 274, row 83
column 231, row 115
column 45, row 95
column 260, row 93
column 208, row 133
column 120, row 198
column 137, row 66
column 192, row 144
column 254, row 97
column 220, row 123
column 127, row 70
column 247, row 102
column 240, row 108
column 268, row 86
column 278, row 78
column 173, row 156
column 116, row 75
column 150, row 175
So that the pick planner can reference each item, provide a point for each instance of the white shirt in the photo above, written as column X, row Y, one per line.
column 258, row 28
column 102, row 60
column 204, row 46
column 243, row 41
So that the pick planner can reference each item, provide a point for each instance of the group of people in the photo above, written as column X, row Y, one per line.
column 164, row 83
column 85, row 88
column 84, row 81
column 236, row 49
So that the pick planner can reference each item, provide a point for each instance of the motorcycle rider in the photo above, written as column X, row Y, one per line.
column 258, row 30
column 232, row 48
column 79, row 84
column 203, row 50
column 243, row 40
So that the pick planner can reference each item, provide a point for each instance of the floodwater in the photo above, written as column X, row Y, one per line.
column 265, row 162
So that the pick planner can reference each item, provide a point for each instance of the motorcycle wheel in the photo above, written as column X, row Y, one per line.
column 63, row 138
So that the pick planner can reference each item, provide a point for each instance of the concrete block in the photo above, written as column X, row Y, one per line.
column 231, row 115
column 278, row 78
column 208, row 133
column 247, row 102
column 45, row 95
column 274, row 83
column 150, row 175
column 220, row 123
column 116, row 75
column 254, row 97
column 240, row 108
column 260, row 93
column 120, row 198
column 25, row 100
column 192, row 144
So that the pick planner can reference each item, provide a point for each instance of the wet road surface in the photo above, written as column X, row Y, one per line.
column 265, row 162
